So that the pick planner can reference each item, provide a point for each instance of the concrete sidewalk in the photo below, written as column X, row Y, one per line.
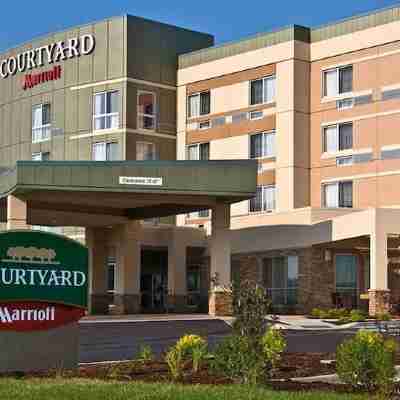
column 146, row 318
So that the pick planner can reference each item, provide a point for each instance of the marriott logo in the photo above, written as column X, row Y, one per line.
column 31, row 80
column 8, row 315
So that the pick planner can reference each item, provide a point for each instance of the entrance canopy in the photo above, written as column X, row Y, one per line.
column 94, row 193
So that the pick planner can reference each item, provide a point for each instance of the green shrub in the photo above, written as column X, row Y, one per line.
column 357, row 316
column 192, row 347
column 367, row 361
column 145, row 354
column 316, row 312
column 383, row 317
column 274, row 344
column 174, row 362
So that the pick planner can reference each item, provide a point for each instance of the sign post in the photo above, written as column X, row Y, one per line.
column 43, row 294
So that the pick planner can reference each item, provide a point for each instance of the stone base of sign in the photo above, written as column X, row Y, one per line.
column 220, row 303
column 127, row 303
column 40, row 350
column 379, row 302
column 99, row 304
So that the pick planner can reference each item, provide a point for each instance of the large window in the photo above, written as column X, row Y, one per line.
column 346, row 273
column 106, row 110
column 146, row 111
column 338, row 137
column 199, row 104
column 338, row 194
column 264, row 200
column 111, row 274
column 103, row 151
column 41, row 122
column 145, row 151
column 281, row 279
column 263, row 90
column 338, row 81
column 193, row 285
column 262, row 145
column 198, row 151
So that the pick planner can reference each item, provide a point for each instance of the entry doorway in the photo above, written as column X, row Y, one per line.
column 154, row 280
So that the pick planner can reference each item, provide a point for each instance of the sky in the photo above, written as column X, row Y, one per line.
column 23, row 20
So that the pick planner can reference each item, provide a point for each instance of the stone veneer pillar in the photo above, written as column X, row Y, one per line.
column 127, row 246
column 99, row 299
column 379, row 302
column 16, row 213
column 220, row 300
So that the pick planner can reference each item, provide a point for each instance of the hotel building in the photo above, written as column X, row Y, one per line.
column 185, row 165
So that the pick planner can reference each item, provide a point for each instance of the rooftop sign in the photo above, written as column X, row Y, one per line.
column 51, row 53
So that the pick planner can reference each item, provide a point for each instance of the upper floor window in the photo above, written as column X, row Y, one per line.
column 145, row 151
column 41, row 156
column 106, row 110
column 199, row 104
column 338, row 194
column 262, row 145
column 338, row 137
column 264, row 199
column 41, row 122
column 199, row 151
column 338, row 80
column 146, row 110
column 103, row 151
column 263, row 90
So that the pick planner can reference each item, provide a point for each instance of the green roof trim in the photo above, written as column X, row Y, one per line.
column 295, row 32
column 232, row 180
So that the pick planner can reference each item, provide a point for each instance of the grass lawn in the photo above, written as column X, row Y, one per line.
column 82, row 389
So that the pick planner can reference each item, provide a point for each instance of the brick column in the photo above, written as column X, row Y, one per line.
column 379, row 293
column 220, row 301
column 16, row 213
column 99, row 299
column 127, row 296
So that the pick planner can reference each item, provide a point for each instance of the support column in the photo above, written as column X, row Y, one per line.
column 127, row 245
column 16, row 213
column 99, row 299
column 220, row 299
column 177, row 285
column 379, row 293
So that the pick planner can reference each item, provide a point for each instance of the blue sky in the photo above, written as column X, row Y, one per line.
column 227, row 20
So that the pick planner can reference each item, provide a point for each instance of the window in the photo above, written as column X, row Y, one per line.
column 341, row 161
column 198, row 152
column 106, row 110
column 345, row 104
column 204, row 124
column 199, row 104
column 111, row 274
column 346, row 274
column 338, row 137
column 262, row 145
column 41, row 123
column 145, row 151
column 103, row 151
column 281, row 279
column 146, row 111
column 193, row 285
column 338, row 81
column 263, row 90
column 264, row 200
column 41, row 156
column 256, row 114
column 339, row 194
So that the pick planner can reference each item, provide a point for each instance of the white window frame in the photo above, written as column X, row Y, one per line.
column 104, row 115
column 337, row 184
column 273, row 132
column 105, row 143
column 263, row 79
column 342, row 161
column 266, row 210
column 197, row 145
column 42, row 127
column 337, row 126
column 252, row 113
column 153, row 145
column 337, row 69
column 153, row 116
column 39, row 155
column 207, row 125
column 188, row 104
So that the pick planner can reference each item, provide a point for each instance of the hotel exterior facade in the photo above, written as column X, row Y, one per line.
column 152, row 145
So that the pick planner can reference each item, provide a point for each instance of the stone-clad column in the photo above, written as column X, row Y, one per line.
column 16, row 213
column 96, row 240
column 127, row 246
column 220, row 300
